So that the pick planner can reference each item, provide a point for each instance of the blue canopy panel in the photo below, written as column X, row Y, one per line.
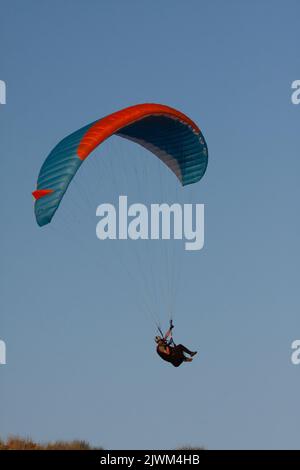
column 182, row 149
column 56, row 174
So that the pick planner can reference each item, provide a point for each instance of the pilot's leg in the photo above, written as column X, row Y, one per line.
column 183, row 349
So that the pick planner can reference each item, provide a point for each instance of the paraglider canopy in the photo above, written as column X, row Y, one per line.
column 169, row 134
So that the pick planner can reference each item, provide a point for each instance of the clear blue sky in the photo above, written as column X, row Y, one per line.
column 80, row 352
